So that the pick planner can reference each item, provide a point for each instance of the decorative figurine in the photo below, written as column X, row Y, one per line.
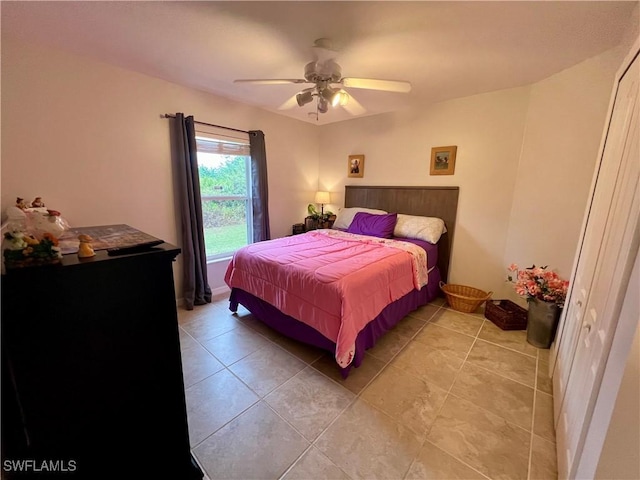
column 85, row 249
column 37, row 203
column 20, row 203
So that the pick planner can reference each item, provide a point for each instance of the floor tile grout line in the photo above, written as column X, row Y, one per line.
column 330, row 424
column 260, row 399
column 297, row 459
column 422, row 444
column 225, row 424
column 451, row 386
column 503, row 376
column 484, row 339
column 278, row 345
column 452, row 383
column 210, row 338
column 410, row 339
column 251, row 353
column 476, row 338
column 426, row 437
column 388, row 363
column 311, row 442
column 507, row 348
column 199, row 315
column 451, row 329
column 240, row 413
column 515, row 425
column 274, row 388
column 510, row 423
column 357, row 396
column 446, row 453
column 385, row 364
column 533, row 419
column 263, row 399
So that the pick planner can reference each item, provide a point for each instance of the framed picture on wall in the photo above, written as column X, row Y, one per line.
column 355, row 166
column 443, row 160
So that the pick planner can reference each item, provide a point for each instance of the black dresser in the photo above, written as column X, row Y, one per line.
column 92, row 381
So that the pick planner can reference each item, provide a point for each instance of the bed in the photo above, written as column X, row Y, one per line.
column 318, row 287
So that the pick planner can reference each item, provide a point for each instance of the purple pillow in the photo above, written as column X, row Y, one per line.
column 374, row 225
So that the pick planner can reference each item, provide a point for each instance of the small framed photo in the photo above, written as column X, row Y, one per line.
column 355, row 166
column 443, row 160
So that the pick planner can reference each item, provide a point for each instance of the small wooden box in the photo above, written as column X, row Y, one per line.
column 506, row 314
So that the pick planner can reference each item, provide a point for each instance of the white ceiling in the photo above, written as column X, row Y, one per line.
column 445, row 49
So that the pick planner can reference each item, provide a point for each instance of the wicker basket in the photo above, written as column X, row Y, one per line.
column 463, row 298
column 506, row 315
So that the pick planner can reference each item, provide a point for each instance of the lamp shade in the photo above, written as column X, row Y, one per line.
column 323, row 197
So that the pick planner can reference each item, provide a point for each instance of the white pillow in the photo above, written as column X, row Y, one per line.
column 428, row 229
column 345, row 216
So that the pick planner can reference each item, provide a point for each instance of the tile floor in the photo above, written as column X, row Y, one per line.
column 443, row 395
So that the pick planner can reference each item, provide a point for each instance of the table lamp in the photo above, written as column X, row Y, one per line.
column 322, row 198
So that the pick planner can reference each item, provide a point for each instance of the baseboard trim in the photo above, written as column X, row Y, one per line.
column 220, row 293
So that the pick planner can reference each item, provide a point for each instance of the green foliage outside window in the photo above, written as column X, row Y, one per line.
column 228, row 179
column 225, row 223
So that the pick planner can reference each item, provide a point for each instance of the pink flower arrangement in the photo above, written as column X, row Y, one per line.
column 538, row 282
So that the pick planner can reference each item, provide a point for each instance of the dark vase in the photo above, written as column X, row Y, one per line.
column 542, row 322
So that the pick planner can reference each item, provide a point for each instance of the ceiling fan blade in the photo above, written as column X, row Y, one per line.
column 290, row 103
column 353, row 106
column 271, row 81
column 372, row 84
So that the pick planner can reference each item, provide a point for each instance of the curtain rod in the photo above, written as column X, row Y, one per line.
column 168, row 115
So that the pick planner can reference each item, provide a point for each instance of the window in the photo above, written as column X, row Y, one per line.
column 224, row 167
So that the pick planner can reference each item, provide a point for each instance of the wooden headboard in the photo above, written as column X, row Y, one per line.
column 441, row 202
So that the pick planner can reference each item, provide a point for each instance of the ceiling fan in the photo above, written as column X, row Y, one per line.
column 328, row 84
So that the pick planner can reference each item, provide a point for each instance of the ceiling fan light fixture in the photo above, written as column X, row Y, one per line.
column 325, row 76
column 328, row 93
column 340, row 98
column 303, row 98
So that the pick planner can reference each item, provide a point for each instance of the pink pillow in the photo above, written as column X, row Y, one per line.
column 373, row 225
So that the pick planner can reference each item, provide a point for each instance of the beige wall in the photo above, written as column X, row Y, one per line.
column 89, row 139
column 563, row 131
column 487, row 130
column 524, row 166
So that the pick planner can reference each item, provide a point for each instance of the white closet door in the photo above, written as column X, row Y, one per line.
column 601, row 274
column 598, row 212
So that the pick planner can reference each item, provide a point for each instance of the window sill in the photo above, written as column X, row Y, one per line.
column 219, row 260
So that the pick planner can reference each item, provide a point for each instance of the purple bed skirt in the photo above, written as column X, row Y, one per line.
column 366, row 339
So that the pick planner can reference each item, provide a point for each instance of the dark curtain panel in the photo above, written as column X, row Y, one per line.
column 195, row 285
column 260, row 192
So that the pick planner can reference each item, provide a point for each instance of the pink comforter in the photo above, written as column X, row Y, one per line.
column 332, row 281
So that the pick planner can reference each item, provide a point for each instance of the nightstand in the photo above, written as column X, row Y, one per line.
column 314, row 223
